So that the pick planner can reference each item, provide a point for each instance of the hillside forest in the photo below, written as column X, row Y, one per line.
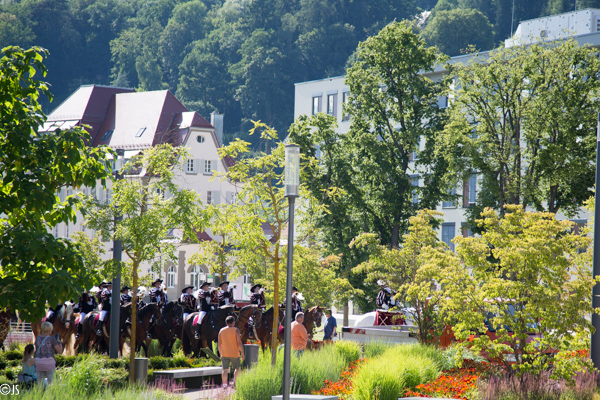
column 240, row 57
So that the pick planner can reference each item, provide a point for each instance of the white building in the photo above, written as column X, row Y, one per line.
column 329, row 94
column 133, row 121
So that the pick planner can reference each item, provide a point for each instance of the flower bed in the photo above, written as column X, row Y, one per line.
column 343, row 386
column 457, row 383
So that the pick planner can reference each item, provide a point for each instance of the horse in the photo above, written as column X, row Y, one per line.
column 312, row 317
column 168, row 327
column 89, row 337
column 63, row 324
column 208, row 331
column 6, row 316
column 144, row 315
column 264, row 331
column 245, row 313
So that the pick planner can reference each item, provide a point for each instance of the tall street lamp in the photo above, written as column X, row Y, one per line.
column 595, row 350
column 116, row 281
column 292, row 188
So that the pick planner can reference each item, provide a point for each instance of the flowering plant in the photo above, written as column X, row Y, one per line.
column 344, row 385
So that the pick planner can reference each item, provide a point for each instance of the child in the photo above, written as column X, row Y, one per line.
column 29, row 372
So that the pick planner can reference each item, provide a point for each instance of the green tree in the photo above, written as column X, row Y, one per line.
column 37, row 267
column 458, row 29
column 525, row 276
column 393, row 108
column 149, row 204
column 14, row 32
column 410, row 272
column 525, row 119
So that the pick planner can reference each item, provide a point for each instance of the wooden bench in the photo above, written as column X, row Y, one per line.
column 192, row 376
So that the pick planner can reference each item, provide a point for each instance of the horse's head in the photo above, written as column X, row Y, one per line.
column 317, row 314
column 67, row 313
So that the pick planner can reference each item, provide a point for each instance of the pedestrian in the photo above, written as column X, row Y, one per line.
column 329, row 330
column 28, row 375
column 299, row 334
column 46, row 347
column 230, row 348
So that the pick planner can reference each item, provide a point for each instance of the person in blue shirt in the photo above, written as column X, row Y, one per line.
column 330, row 326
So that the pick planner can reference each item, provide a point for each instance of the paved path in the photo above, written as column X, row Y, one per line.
column 196, row 394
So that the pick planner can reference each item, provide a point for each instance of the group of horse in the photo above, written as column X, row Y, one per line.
column 165, row 324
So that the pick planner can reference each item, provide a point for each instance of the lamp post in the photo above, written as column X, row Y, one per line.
column 595, row 350
column 292, row 186
column 116, row 281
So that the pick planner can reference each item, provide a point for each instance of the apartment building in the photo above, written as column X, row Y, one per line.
column 123, row 119
column 328, row 96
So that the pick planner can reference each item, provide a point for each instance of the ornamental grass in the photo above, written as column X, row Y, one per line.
column 398, row 368
column 308, row 372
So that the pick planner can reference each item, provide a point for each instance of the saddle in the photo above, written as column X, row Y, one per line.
column 96, row 320
column 197, row 320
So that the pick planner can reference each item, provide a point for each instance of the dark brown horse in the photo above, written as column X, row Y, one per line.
column 6, row 316
column 167, row 328
column 88, row 338
column 150, row 312
column 264, row 331
column 245, row 313
column 208, row 330
column 312, row 317
column 63, row 324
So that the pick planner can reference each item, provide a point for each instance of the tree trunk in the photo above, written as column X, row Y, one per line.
column 134, row 272
column 395, row 235
column 275, row 309
column 346, row 321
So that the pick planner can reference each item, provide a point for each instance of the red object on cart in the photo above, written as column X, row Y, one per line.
column 388, row 318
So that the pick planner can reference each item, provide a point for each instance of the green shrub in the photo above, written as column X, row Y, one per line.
column 398, row 368
column 375, row 349
column 12, row 373
column 311, row 370
column 3, row 364
column 17, row 346
column 15, row 363
column 86, row 376
column 349, row 350
column 262, row 381
column 13, row 355
column 118, row 363
column 68, row 361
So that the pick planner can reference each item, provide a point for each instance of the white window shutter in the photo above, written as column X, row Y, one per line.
column 201, row 165
column 196, row 165
column 228, row 195
column 216, row 197
column 215, row 165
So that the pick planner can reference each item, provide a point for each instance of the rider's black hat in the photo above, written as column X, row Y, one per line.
column 258, row 285
column 223, row 283
column 295, row 288
column 157, row 281
column 125, row 288
column 186, row 288
column 205, row 284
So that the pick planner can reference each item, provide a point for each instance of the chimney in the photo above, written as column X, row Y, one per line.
column 216, row 120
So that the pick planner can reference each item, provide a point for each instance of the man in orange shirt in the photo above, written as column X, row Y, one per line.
column 230, row 347
column 299, row 334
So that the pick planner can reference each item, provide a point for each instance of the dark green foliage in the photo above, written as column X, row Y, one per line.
column 12, row 355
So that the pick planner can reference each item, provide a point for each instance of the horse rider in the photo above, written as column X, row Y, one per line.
column 53, row 312
column 225, row 294
column 296, row 302
column 206, row 304
column 384, row 299
column 258, row 296
column 157, row 295
column 106, row 297
column 214, row 298
column 101, row 287
column 188, row 301
column 87, row 303
column 140, row 299
column 125, row 296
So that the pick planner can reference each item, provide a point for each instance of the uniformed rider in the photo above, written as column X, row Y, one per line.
column 101, row 287
column 188, row 301
column 384, row 299
column 258, row 296
column 125, row 296
column 204, row 297
column 106, row 297
column 157, row 295
column 225, row 294
column 87, row 303
column 296, row 302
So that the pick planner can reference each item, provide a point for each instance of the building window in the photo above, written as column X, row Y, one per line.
column 140, row 132
column 448, row 234
column 466, row 230
column 331, row 104
column 233, row 197
column 200, row 139
column 208, row 166
column 108, row 195
column 473, row 189
column 316, row 105
column 191, row 166
column 195, row 277
column 451, row 203
column 345, row 96
column 107, row 135
column 415, row 195
column 209, row 197
column 171, row 277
